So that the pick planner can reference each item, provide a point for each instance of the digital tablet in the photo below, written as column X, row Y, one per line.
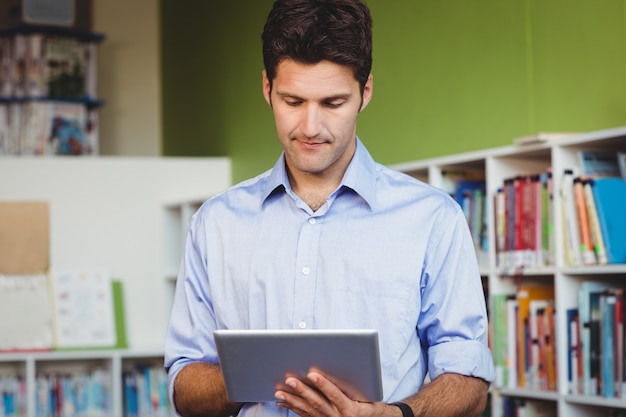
column 256, row 362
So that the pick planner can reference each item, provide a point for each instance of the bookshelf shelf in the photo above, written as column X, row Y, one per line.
column 530, row 394
column 506, row 276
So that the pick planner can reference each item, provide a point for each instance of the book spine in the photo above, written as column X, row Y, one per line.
column 572, row 238
column 518, row 219
column 594, row 224
column 619, row 346
column 586, row 245
column 512, row 352
column 500, row 223
column 607, row 308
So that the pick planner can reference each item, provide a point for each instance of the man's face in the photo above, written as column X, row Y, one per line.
column 315, row 110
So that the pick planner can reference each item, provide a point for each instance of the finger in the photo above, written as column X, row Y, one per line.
column 303, row 399
column 327, row 387
column 336, row 397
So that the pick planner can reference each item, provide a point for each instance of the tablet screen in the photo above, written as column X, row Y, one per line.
column 255, row 362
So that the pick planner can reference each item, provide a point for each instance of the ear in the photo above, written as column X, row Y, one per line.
column 368, row 90
column 267, row 89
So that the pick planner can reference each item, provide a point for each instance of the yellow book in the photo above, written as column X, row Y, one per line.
column 524, row 295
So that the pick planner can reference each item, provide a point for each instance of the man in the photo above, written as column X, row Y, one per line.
column 328, row 238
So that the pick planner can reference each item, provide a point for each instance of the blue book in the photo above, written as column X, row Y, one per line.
column 571, row 314
column 607, row 308
column 610, row 198
column 130, row 395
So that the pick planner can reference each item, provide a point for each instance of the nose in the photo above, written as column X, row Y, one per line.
column 311, row 121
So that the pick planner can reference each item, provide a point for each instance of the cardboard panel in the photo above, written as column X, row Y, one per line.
column 24, row 237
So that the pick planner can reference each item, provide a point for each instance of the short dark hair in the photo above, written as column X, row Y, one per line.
column 311, row 31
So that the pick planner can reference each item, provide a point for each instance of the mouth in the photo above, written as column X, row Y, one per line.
column 312, row 144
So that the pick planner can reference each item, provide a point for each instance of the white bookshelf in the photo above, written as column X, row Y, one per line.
column 126, row 215
column 509, row 161
column 30, row 365
column 176, row 217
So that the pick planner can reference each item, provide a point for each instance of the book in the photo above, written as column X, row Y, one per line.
column 518, row 216
column 610, row 199
column 67, row 134
column 499, row 338
column 500, row 226
column 18, row 70
column 450, row 178
column 598, row 164
column 35, row 82
column 537, row 377
column 48, row 127
column 572, row 350
column 525, row 294
column 547, row 217
column 28, row 293
column 511, row 330
column 621, row 161
column 589, row 340
column 4, row 129
column 470, row 195
column 594, row 224
column 595, row 344
column 619, row 346
column 550, row 348
column 509, row 223
column 84, row 309
column 117, row 291
column 570, row 224
column 6, row 67
column 540, row 137
column 607, row 344
column 65, row 67
column 582, row 216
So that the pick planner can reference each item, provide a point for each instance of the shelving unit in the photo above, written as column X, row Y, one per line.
column 122, row 214
column 509, row 161
column 48, row 94
column 176, row 217
column 112, row 364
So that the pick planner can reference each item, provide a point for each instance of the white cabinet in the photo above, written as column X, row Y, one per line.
column 499, row 164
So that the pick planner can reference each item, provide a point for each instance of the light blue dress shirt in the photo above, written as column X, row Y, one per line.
column 386, row 251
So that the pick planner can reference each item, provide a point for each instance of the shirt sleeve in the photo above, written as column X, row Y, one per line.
column 189, row 335
column 453, row 320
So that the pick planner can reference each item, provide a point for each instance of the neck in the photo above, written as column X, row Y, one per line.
column 314, row 190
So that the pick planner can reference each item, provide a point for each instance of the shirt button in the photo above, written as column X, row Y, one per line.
column 306, row 270
column 312, row 220
column 302, row 325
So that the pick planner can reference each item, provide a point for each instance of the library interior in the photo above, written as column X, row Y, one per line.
column 119, row 119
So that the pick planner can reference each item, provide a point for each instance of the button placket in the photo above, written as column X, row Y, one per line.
column 305, row 279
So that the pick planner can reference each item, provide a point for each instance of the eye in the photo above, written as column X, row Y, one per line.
column 293, row 103
column 333, row 104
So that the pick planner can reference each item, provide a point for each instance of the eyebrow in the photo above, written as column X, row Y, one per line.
column 329, row 98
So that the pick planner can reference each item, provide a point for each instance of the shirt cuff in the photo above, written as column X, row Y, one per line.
column 465, row 357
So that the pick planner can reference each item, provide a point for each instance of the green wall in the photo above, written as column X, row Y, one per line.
column 449, row 76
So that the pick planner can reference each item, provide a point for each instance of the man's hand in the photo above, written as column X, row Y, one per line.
column 320, row 397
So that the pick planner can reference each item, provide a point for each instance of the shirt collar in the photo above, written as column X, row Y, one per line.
column 359, row 177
